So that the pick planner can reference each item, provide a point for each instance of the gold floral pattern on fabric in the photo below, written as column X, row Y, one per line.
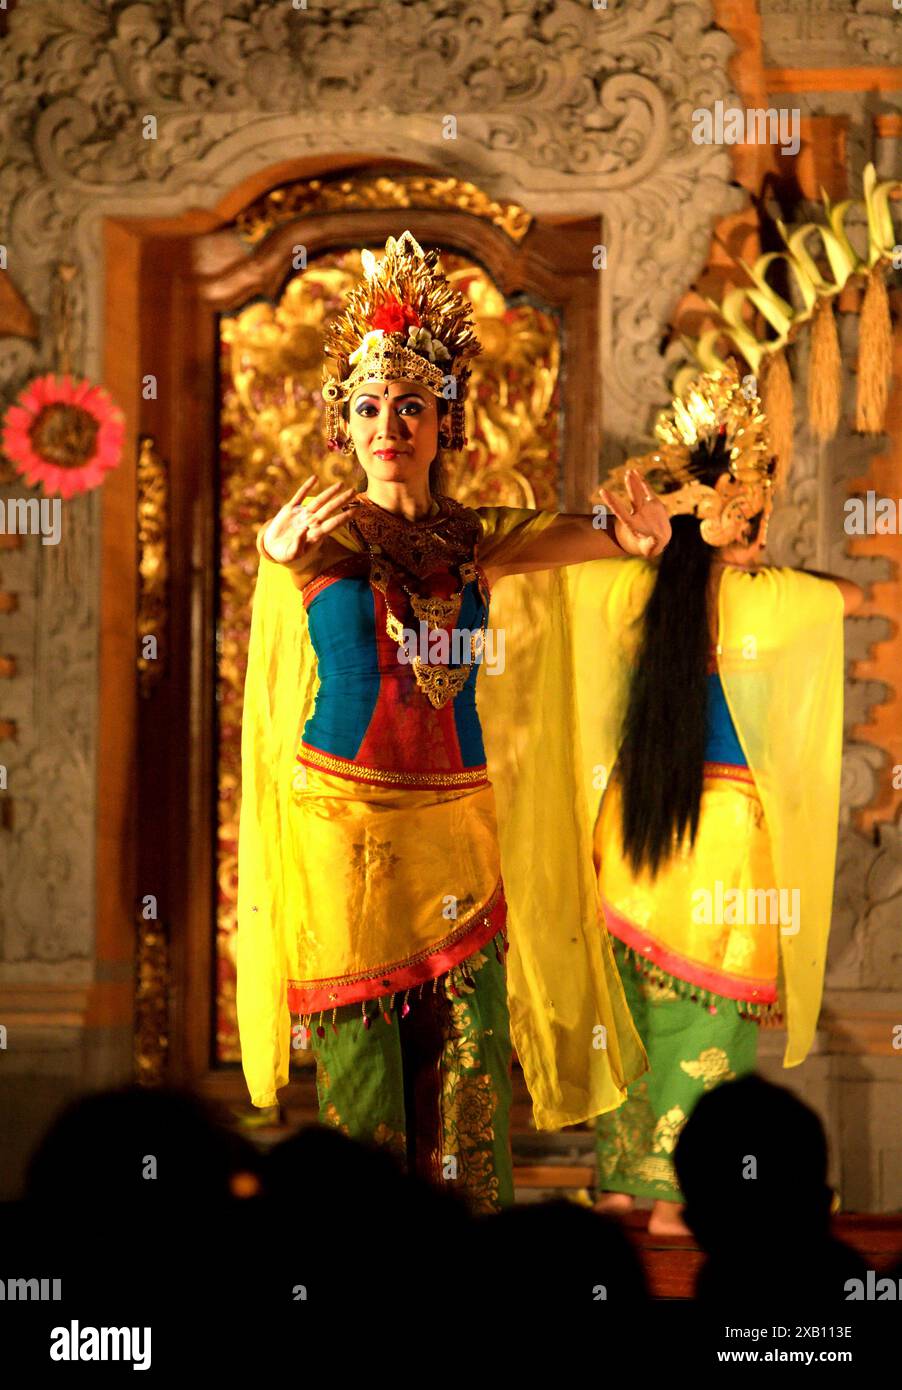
column 658, row 1170
column 468, row 1108
column 373, row 859
column 469, row 1102
column 460, row 1048
column 629, row 1132
column 330, row 1116
column 710, row 1067
column 392, row 1140
column 667, row 1130
column 690, row 1050
column 473, row 963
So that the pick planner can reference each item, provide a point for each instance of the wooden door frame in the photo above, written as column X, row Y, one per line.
column 168, row 282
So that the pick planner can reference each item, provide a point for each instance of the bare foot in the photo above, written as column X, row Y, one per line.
column 667, row 1220
column 611, row 1203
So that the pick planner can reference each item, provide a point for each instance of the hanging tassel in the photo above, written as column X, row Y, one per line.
column 320, row 1030
column 405, row 1007
column 824, row 374
column 366, row 1019
column 777, row 400
column 334, row 1024
column 875, row 347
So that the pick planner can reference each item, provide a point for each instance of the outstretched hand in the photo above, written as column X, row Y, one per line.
column 645, row 529
column 296, row 527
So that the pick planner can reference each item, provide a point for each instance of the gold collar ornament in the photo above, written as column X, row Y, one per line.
column 396, row 546
column 438, row 682
column 404, row 321
column 715, row 404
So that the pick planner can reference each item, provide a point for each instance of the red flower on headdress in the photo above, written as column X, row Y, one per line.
column 394, row 317
column 65, row 434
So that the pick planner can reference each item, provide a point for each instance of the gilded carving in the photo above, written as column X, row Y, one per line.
column 153, row 565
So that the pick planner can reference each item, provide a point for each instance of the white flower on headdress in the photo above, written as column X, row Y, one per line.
column 369, row 263
column 422, row 341
column 375, row 335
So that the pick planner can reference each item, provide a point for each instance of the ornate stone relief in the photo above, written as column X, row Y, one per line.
column 829, row 33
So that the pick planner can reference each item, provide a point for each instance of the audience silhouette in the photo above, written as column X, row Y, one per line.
column 751, row 1161
column 155, row 1193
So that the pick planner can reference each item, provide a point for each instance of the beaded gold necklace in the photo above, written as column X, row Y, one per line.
column 446, row 538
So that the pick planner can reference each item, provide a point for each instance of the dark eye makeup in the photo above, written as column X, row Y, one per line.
column 415, row 404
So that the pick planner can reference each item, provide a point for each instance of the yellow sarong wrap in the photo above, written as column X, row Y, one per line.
column 570, row 1023
column 715, row 943
column 389, row 862
column 780, row 659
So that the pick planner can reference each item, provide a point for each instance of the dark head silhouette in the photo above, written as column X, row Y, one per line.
column 136, row 1145
column 751, row 1162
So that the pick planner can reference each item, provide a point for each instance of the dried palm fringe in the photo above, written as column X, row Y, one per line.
column 455, row 977
column 764, row 1014
column 777, row 399
column 824, row 374
column 875, row 349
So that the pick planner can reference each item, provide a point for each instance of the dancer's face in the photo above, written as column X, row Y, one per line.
column 394, row 429
column 751, row 552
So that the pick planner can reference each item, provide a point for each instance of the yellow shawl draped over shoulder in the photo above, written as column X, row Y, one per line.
column 570, row 1023
column 780, row 659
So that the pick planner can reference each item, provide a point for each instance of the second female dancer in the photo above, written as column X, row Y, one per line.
column 719, row 731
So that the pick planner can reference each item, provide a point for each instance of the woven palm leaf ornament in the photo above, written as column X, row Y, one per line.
column 818, row 282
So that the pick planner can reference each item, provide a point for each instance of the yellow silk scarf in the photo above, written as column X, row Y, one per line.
column 569, row 1020
column 780, row 660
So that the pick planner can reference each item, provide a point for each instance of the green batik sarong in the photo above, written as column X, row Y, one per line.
column 433, row 1085
column 690, row 1050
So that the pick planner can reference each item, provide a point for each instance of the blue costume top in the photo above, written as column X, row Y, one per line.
column 372, row 721
column 722, row 744
column 369, row 709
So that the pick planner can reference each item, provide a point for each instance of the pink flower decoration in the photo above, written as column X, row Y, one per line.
column 66, row 434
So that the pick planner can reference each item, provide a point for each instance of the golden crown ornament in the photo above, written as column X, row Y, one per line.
column 715, row 405
column 404, row 321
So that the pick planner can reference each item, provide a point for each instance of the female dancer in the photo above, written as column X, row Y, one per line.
column 371, row 900
column 716, row 837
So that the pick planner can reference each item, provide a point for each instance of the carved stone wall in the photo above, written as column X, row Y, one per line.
column 557, row 106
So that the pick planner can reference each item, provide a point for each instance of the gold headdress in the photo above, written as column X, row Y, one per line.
column 717, row 406
column 403, row 321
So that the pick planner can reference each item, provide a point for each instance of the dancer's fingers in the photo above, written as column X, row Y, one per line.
column 615, row 507
column 329, row 505
column 323, row 497
column 637, row 488
column 302, row 491
column 323, row 528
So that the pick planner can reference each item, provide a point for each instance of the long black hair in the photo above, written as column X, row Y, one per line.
column 661, row 761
